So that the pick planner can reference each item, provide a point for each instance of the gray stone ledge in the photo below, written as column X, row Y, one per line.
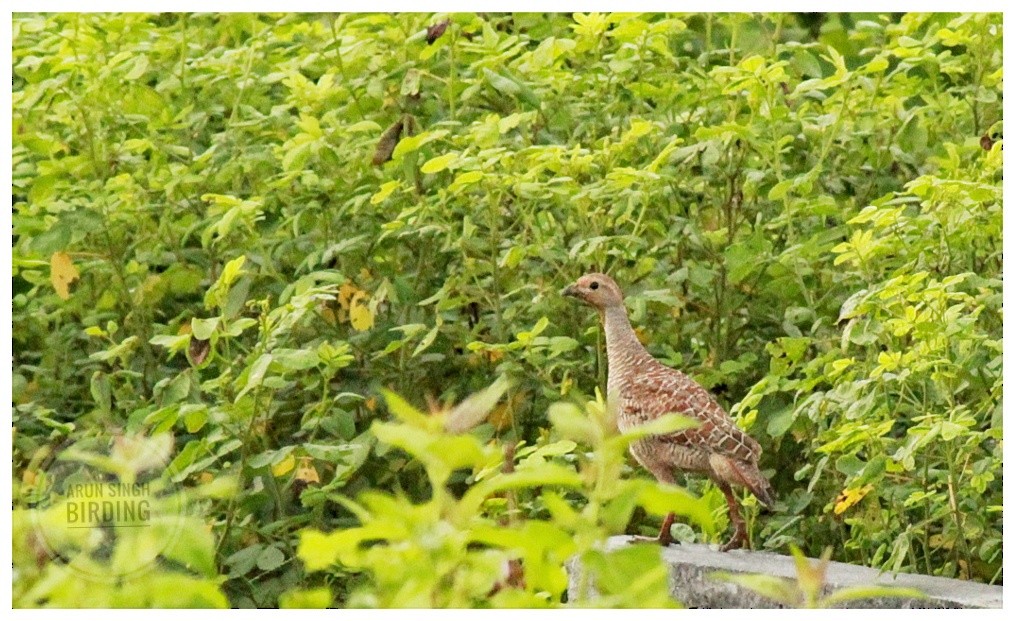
column 692, row 585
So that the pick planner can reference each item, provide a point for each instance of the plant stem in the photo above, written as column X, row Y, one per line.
column 452, row 69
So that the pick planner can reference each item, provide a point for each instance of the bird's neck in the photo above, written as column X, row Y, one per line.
column 623, row 349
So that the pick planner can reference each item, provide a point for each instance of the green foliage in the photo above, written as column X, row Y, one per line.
column 122, row 562
column 238, row 229
column 505, row 541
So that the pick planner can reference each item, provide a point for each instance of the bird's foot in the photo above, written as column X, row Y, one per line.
column 738, row 541
column 663, row 541
column 664, row 538
column 732, row 544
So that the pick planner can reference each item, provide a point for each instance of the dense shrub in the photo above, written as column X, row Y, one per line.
column 239, row 228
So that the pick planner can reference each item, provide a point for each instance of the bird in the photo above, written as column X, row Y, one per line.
column 642, row 389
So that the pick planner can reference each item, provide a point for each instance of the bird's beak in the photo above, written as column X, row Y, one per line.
column 569, row 291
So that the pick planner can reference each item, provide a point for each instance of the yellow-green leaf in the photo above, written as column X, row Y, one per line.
column 384, row 191
column 284, row 467
column 439, row 163
column 465, row 179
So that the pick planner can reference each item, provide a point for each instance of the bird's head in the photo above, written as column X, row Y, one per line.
column 598, row 290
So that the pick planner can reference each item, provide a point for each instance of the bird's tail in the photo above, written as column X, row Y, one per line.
column 746, row 474
column 765, row 493
column 759, row 485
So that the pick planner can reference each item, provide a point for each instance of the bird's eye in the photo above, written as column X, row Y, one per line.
column 594, row 286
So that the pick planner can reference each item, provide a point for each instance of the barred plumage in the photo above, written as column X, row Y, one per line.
column 642, row 388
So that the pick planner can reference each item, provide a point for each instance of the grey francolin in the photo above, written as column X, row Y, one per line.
column 642, row 388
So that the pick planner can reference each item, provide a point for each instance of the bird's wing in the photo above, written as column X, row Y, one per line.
column 664, row 391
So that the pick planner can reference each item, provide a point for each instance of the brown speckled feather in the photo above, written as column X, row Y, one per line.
column 641, row 389
column 663, row 391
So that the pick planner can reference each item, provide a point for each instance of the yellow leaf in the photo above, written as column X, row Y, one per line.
column 371, row 404
column 345, row 294
column 62, row 273
column 850, row 497
column 384, row 192
column 284, row 467
column 360, row 315
column 306, row 472
column 439, row 163
column 639, row 129
column 565, row 386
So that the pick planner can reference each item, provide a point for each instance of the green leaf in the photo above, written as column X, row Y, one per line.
column 660, row 499
column 296, row 359
column 427, row 340
column 270, row 558
column 195, row 420
column 405, row 412
column 191, row 545
column 780, row 422
column 546, row 474
column 634, row 576
column 309, row 598
column 243, row 560
column 255, row 374
column 173, row 390
column 501, row 84
column 137, row 68
column 410, row 144
column 571, row 423
column 779, row 190
column 101, row 391
column 410, row 83
column 464, row 179
column 857, row 593
column 203, row 328
column 270, row 458
column 217, row 293
column 526, row 337
column 439, row 163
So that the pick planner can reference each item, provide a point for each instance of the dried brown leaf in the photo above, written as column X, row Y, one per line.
column 386, row 145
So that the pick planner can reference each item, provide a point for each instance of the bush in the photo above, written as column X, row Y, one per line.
column 238, row 228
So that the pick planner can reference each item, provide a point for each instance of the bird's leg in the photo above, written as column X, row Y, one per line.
column 664, row 474
column 739, row 539
column 665, row 538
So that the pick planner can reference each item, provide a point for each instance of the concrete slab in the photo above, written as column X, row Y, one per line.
column 691, row 582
